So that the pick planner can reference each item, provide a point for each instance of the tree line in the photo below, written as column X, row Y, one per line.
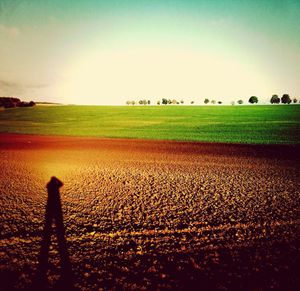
column 275, row 99
column 11, row 102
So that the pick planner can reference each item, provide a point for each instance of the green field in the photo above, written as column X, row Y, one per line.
column 268, row 124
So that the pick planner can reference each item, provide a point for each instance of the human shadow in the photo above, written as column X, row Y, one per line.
column 54, row 215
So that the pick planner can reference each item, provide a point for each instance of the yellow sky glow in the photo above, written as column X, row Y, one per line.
column 111, row 75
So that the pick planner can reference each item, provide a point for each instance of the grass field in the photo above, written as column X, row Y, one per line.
column 236, row 124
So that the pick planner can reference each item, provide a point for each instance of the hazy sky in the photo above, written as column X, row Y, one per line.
column 107, row 52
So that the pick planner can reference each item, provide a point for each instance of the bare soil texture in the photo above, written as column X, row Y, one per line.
column 153, row 214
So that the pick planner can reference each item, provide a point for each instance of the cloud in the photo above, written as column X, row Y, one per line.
column 9, row 31
column 8, row 87
column 16, row 88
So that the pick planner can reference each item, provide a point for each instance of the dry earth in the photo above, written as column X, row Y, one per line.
column 153, row 214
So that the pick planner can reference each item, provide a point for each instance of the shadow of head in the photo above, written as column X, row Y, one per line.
column 54, row 184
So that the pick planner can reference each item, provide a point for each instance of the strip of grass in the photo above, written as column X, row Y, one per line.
column 236, row 124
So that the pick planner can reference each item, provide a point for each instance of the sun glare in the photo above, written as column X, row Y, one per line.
column 106, row 77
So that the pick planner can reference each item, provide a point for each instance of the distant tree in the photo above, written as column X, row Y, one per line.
column 164, row 101
column 177, row 102
column 219, row 102
column 148, row 102
column 158, row 102
column 213, row 101
column 181, row 101
column 169, row 101
column 295, row 100
column 286, row 99
column 206, row 101
column 10, row 102
column 192, row 102
column 143, row 102
column 240, row 101
column 174, row 101
column 232, row 103
column 253, row 99
column 25, row 104
column 130, row 102
column 275, row 99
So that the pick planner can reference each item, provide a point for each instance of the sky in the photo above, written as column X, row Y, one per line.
column 108, row 52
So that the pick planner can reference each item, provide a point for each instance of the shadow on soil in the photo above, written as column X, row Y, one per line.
column 260, row 267
column 54, row 215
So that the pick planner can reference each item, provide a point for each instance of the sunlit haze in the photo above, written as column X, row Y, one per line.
column 107, row 52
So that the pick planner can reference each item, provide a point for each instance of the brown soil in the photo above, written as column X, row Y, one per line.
column 153, row 214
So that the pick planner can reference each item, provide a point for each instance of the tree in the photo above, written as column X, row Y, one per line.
column 295, row 100
column 232, row 103
column 206, row 101
column 213, row 101
column 181, row 101
column 192, row 102
column 275, row 99
column 143, row 102
column 286, row 99
column 253, row 99
column 174, row 101
column 158, row 102
column 164, row 101
column 219, row 102
column 240, row 102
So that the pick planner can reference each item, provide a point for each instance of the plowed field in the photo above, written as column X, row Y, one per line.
column 153, row 214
